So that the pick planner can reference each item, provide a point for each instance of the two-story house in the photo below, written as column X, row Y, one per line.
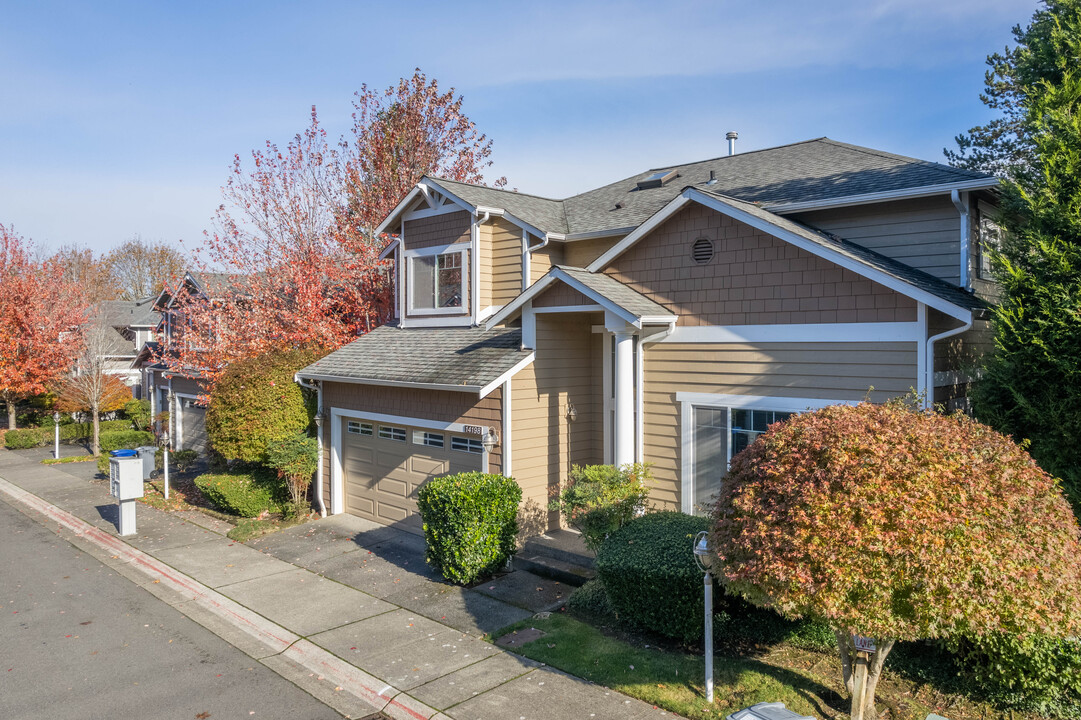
column 131, row 324
column 666, row 318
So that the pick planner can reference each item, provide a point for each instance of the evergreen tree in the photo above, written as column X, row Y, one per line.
column 1046, row 50
column 1032, row 384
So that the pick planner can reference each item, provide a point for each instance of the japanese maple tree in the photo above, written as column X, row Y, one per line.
column 39, row 310
column 295, row 233
column 896, row 524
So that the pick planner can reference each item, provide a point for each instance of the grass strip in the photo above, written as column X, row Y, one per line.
column 72, row 459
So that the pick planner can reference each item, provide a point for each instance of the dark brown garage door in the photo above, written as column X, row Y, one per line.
column 384, row 466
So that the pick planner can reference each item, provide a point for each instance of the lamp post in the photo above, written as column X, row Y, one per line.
column 704, row 560
column 165, row 460
column 56, row 435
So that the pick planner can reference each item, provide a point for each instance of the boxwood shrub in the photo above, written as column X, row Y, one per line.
column 26, row 438
column 239, row 493
column 124, row 439
column 470, row 523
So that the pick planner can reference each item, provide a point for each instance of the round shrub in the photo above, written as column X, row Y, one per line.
column 470, row 523
column 591, row 599
column 256, row 402
column 597, row 499
column 243, row 494
column 650, row 576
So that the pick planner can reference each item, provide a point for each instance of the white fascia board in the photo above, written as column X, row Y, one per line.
column 803, row 332
column 596, row 234
column 518, row 302
column 596, row 297
column 389, row 249
column 398, row 210
column 656, row 320
column 387, row 383
column 884, row 196
column 528, row 359
column 762, row 402
column 644, row 229
column 833, row 256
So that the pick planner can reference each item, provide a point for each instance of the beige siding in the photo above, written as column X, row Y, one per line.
column 580, row 253
column 924, row 233
column 545, row 444
column 753, row 278
column 542, row 260
column 440, row 405
column 835, row 371
column 504, row 266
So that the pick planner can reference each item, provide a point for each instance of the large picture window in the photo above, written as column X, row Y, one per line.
column 438, row 282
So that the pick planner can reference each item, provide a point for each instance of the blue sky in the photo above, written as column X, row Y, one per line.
column 122, row 118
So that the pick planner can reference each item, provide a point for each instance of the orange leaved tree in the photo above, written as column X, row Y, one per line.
column 39, row 310
column 895, row 524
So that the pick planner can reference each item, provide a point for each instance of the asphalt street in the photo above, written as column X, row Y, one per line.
column 77, row 640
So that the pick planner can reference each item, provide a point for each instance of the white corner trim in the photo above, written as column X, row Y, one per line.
column 644, row 229
column 567, row 309
column 686, row 457
column 508, row 418
column 866, row 198
column 804, row 332
column 505, row 377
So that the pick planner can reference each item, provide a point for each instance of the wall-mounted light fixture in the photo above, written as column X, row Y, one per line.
column 572, row 413
column 490, row 440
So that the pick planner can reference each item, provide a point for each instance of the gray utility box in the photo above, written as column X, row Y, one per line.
column 767, row 711
column 126, row 478
column 146, row 454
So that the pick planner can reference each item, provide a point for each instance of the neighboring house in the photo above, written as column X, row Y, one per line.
column 133, row 323
column 667, row 318
column 185, row 388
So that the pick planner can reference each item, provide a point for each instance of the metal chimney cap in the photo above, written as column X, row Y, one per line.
column 732, row 135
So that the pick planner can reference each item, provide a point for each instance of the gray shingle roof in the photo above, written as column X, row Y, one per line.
column 130, row 313
column 818, row 169
column 918, row 278
column 469, row 358
column 625, row 297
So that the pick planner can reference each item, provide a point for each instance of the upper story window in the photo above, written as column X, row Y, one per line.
column 989, row 238
column 437, row 282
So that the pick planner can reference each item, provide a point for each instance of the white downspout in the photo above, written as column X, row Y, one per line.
column 929, row 399
column 960, row 201
column 319, row 434
column 527, row 252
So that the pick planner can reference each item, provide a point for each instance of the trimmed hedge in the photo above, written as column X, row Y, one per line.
column 244, row 494
column 124, row 439
column 470, row 523
column 24, row 438
column 74, row 432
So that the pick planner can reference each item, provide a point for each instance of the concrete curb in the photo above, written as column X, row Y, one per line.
column 278, row 640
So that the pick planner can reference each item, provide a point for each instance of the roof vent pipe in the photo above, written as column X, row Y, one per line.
column 731, row 136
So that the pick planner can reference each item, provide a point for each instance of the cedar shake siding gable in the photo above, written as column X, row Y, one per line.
column 561, row 295
column 753, row 278
column 437, row 230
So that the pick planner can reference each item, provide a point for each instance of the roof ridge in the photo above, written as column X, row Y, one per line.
column 907, row 158
column 739, row 154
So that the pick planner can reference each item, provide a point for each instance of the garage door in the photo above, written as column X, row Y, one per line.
column 385, row 465
column 192, row 425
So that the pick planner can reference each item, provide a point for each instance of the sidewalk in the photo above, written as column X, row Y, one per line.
column 346, row 609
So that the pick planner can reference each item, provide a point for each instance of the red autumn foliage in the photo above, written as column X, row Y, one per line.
column 893, row 523
column 295, row 233
column 39, row 310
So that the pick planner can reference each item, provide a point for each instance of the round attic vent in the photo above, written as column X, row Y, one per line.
column 702, row 251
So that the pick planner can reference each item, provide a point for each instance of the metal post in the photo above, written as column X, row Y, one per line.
column 165, row 463
column 708, row 589
column 56, row 442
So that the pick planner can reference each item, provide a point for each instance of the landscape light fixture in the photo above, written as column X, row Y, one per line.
column 703, row 558
column 56, row 434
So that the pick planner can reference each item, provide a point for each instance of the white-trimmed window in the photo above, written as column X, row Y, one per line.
column 389, row 432
column 989, row 237
column 358, row 428
column 438, row 280
column 466, row 444
column 431, row 439
column 717, row 427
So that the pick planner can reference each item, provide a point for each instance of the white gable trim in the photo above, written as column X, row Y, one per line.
column 860, row 268
column 505, row 377
column 389, row 249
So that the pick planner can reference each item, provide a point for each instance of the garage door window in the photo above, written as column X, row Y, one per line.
column 389, row 432
column 359, row 428
column 427, row 438
column 466, row 444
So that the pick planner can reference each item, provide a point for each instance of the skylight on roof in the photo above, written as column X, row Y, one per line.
column 657, row 179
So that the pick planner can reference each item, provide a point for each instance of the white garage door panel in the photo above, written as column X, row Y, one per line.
column 382, row 476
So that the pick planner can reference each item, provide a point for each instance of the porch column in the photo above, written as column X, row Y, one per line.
column 623, row 452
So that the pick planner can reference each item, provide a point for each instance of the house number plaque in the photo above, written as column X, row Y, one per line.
column 473, row 429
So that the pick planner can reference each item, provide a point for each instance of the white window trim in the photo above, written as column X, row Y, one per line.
column 337, row 471
column 409, row 255
column 688, row 401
